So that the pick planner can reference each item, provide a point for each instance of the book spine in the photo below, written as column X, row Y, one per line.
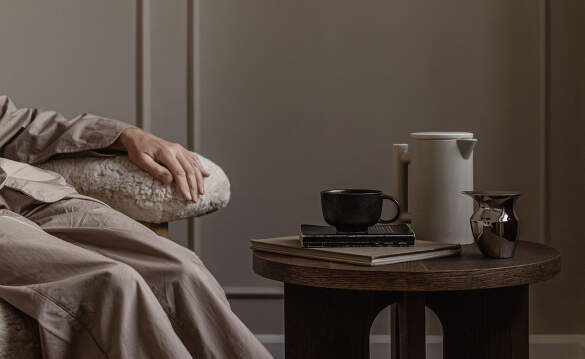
column 321, row 241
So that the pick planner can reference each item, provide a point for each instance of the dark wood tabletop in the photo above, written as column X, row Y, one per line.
column 531, row 263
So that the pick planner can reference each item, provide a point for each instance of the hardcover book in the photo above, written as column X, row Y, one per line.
column 367, row 256
column 378, row 235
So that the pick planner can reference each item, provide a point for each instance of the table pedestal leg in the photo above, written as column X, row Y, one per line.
column 483, row 324
column 330, row 323
column 394, row 332
column 408, row 327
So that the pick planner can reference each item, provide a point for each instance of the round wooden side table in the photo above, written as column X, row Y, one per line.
column 482, row 303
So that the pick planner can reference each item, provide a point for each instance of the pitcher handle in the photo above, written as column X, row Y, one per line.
column 400, row 162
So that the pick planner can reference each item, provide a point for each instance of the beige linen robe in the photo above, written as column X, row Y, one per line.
column 99, row 284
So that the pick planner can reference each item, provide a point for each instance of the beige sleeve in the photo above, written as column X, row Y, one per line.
column 33, row 135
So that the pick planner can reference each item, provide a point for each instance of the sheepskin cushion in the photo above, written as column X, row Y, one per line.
column 19, row 334
column 132, row 191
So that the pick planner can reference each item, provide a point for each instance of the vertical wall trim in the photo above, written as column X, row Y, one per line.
column 193, row 112
column 190, row 76
column 143, row 65
column 146, row 66
column 190, row 109
column 138, row 59
column 546, row 118
column 197, row 101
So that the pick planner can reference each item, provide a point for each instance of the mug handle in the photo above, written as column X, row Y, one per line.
column 385, row 196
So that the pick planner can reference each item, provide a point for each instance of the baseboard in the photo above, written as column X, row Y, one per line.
column 578, row 339
column 565, row 346
column 542, row 346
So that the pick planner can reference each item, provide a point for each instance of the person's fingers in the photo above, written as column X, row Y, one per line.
column 199, row 165
column 193, row 186
column 148, row 164
column 192, row 179
column 202, row 171
column 170, row 161
column 199, row 176
column 199, row 171
column 196, row 159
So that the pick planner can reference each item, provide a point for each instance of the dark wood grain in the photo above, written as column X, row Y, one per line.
column 411, row 326
column 483, row 324
column 331, row 323
column 470, row 271
column 394, row 332
column 335, row 323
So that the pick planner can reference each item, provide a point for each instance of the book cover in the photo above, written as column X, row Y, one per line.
column 378, row 235
column 367, row 256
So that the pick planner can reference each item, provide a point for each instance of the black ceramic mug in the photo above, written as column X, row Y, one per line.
column 354, row 210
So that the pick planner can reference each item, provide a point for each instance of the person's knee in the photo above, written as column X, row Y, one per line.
column 189, row 272
column 121, row 277
column 181, row 269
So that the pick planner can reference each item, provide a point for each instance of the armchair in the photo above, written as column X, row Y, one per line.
column 125, row 187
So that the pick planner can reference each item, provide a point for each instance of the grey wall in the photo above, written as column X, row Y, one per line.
column 75, row 56
column 305, row 95
column 293, row 97
column 559, row 305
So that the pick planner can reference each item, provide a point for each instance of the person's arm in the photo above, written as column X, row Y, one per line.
column 33, row 136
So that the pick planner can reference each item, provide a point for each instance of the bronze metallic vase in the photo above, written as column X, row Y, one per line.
column 494, row 223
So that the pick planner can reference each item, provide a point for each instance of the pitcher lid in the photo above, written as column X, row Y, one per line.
column 440, row 135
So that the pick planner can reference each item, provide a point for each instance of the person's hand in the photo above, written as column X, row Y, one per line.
column 164, row 160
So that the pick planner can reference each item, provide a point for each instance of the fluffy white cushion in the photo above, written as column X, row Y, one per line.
column 132, row 191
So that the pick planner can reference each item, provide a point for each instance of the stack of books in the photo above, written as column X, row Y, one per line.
column 382, row 244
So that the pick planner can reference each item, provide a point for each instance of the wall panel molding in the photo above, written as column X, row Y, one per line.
column 191, row 226
column 163, row 75
column 194, row 104
column 143, row 65
column 545, row 119
column 138, row 59
column 254, row 292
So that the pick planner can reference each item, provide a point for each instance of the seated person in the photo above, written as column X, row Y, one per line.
column 100, row 284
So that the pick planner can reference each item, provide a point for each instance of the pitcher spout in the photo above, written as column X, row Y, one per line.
column 466, row 146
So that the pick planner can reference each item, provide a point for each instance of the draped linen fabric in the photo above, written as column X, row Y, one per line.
column 99, row 284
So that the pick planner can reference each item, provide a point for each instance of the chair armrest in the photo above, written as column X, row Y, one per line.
column 132, row 191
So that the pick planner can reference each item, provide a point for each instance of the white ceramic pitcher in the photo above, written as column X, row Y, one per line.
column 429, row 175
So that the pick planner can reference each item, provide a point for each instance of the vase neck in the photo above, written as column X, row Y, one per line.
column 494, row 200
